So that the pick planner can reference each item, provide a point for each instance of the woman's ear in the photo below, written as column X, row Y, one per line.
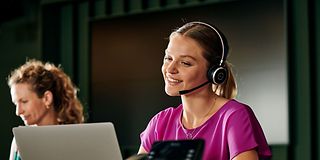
column 47, row 98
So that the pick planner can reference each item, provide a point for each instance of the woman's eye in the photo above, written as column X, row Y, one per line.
column 167, row 59
column 186, row 63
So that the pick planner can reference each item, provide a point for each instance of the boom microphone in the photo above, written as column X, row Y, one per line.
column 190, row 90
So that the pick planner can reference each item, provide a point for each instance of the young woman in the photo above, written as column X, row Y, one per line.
column 195, row 68
column 43, row 95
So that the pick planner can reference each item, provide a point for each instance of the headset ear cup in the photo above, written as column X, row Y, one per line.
column 217, row 75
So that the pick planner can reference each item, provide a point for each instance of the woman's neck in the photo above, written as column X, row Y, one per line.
column 49, row 118
column 198, row 109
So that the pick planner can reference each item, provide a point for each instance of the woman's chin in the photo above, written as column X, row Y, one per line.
column 28, row 123
column 172, row 93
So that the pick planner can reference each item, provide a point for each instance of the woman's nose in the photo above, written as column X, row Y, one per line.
column 19, row 110
column 172, row 67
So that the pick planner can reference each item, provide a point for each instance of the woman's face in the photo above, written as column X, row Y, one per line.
column 184, row 66
column 29, row 106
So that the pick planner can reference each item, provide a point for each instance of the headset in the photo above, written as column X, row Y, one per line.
column 217, row 74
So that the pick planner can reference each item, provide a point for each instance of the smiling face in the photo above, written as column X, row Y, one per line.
column 29, row 106
column 184, row 66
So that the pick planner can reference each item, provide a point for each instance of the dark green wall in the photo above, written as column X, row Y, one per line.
column 303, row 57
column 19, row 39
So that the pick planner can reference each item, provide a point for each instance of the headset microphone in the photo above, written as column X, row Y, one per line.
column 190, row 90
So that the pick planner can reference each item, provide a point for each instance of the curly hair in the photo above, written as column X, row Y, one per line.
column 47, row 77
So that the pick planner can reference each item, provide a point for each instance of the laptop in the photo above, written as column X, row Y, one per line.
column 68, row 142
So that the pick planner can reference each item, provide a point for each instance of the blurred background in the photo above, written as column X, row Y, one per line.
column 113, row 51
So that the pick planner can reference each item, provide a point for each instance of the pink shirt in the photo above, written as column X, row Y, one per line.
column 231, row 130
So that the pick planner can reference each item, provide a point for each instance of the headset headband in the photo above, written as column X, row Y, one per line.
column 220, row 37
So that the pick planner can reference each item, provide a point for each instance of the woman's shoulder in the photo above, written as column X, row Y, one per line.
column 168, row 115
column 170, row 111
column 233, row 106
column 14, row 144
column 14, row 149
column 236, row 112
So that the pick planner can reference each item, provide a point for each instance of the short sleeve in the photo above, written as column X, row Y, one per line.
column 148, row 136
column 161, row 127
column 245, row 133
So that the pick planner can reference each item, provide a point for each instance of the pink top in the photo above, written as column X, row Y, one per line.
column 231, row 130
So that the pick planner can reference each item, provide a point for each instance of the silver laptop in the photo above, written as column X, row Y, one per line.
column 87, row 141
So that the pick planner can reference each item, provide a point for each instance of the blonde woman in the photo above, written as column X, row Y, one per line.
column 195, row 68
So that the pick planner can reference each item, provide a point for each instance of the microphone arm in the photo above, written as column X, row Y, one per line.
column 190, row 90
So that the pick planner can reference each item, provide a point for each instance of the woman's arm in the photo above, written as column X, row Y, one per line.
column 142, row 150
column 247, row 155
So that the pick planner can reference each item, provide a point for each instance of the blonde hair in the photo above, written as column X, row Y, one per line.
column 48, row 77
